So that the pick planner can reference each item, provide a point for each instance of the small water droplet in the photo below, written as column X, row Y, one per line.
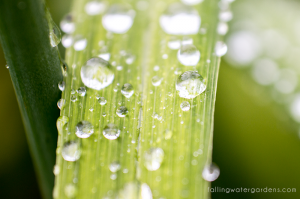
column 190, row 84
column 67, row 24
column 174, row 43
column 7, row 66
column 222, row 28
column 191, row 2
column 111, row 131
column 165, row 56
column 79, row 43
column 102, row 101
column 156, row 81
column 54, row 33
column 119, row 68
column 127, row 90
column 70, row 151
column 56, row 170
column 225, row 15
column 84, row 129
column 220, row 48
column 122, row 111
column 94, row 7
column 180, row 19
column 96, row 73
column 114, row 166
column 105, row 56
column 61, row 122
column 61, row 103
column 61, row 85
column 153, row 158
column 73, row 98
column 188, row 55
column 211, row 172
column 129, row 58
column 118, row 18
column 67, row 41
column 113, row 176
column 135, row 190
column 185, row 106
column 168, row 134
column 156, row 68
column 70, row 190
column 81, row 91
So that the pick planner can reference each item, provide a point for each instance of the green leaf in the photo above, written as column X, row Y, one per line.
column 35, row 70
column 155, row 121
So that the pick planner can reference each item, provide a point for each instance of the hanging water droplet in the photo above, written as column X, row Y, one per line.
column 61, row 85
column 191, row 2
column 67, row 24
column 174, row 43
column 156, row 81
column 67, row 41
column 188, row 55
column 70, row 190
column 94, row 7
column 81, row 91
column 96, row 73
column 180, row 19
column 168, row 134
column 111, row 131
column 190, row 84
column 127, row 90
column 222, row 28
column 220, row 48
column 185, row 106
column 70, row 151
column 153, row 158
column 61, row 103
column 54, row 33
column 79, row 43
column 61, row 122
column 211, row 172
column 114, row 166
column 84, row 129
column 118, row 18
column 122, row 111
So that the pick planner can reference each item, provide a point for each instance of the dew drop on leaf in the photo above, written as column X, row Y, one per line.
column 111, row 131
column 127, row 90
column 84, row 129
column 122, row 111
column 153, row 158
column 188, row 55
column 211, row 172
column 70, row 151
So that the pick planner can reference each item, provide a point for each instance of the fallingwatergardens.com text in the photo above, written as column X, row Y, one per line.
column 251, row 190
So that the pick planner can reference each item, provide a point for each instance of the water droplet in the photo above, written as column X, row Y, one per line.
column 135, row 190
column 185, row 106
column 190, row 84
column 67, row 41
column 127, row 90
column 220, row 48
column 165, row 56
column 191, row 2
column 156, row 81
column 114, row 166
column 81, row 91
column 105, row 56
column 79, row 43
column 61, row 121
column 7, row 66
column 84, row 129
column 129, row 58
column 211, row 172
column 111, row 131
column 168, row 134
column 61, row 85
column 180, row 19
column 119, row 68
column 118, row 18
column 222, row 28
column 73, row 98
column 61, row 103
column 56, row 170
column 225, row 15
column 67, row 24
column 113, row 176
column 94, row 7
column 96, row 73
column 70, row 151
column 102, row 101
column 174, row 43
column 153, row 158
column 188, row 55
column 54, row 33
column 70, row 190
column 122, row 111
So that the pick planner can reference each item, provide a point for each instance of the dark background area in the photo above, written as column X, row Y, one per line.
column 255, row 143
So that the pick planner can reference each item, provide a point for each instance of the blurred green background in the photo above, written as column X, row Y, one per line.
column 256, row 145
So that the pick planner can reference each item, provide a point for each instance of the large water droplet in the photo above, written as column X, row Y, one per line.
column 81, row 91
column 96, row 73
column 84, row 129
column 122, row 111
column 54, row 33
column 118, row 18
column 94, row 7
column 114, row 166
column 111, row 131
column 70, row 190
column 220, row 48
column 180, row 19
column 211, row 172
column 67, row 41
column 185, row 106
column 156, row 81
column 188, row 55
column 191, row 2
column 190, row 84
column 70, row 151
column 127, row 90
column 61, row 121
column 61, row 103
column 153, row 158
column 67, row 24
column 79, row 43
